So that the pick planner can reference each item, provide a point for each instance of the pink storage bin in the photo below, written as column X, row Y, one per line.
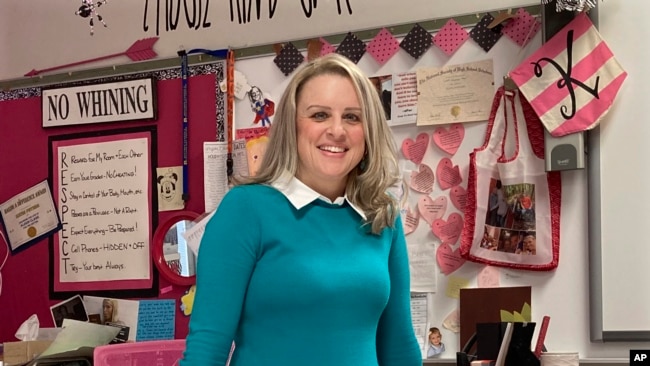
column 148, row 353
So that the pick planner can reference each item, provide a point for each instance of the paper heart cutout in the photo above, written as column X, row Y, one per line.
column 414, row 150
column 488, row 277
column 422, row 180
column 432, row 209
column 458, row 197
column 410, row 221
column 448, row 260
column 448, row 174
column 448, row 231
column 449, row 140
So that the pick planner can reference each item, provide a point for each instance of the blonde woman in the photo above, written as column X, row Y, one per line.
column 109, row 311
column 306, row 262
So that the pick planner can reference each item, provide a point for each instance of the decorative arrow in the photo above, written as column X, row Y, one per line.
column 139, row 51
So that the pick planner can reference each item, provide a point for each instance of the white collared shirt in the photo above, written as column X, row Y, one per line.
column 300, row 195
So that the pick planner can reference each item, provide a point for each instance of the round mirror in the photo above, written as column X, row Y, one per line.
column 173, row 258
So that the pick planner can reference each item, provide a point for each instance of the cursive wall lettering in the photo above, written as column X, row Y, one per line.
column 171, row 11
column 167, row 14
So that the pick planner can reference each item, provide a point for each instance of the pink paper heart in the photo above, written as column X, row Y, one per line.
column 458, row 197
column 410, row 221
column 488, row 277
column 449, row 140
column 448, row 260
column 448, row 231
column 414, row 150
column 422, row 180
column 448, row 174
column 432, row 209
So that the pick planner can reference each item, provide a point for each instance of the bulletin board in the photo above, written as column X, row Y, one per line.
column 25, row 149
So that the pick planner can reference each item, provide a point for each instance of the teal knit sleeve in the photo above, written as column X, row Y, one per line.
column 396, row 342
column 227, row 255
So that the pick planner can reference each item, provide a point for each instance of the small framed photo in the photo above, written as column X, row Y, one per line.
column 72, row 308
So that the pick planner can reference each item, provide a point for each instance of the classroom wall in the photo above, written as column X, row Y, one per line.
column 31, row 32
column 564, row 293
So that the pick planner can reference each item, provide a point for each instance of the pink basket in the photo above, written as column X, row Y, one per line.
column 159, row 353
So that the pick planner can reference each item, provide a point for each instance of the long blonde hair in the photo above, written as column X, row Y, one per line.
column 113, row 304
column 368, row 183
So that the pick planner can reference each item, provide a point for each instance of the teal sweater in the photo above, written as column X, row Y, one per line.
column 295, row 287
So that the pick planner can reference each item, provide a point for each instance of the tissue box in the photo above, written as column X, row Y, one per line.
column 162, row 352
column 18, row 353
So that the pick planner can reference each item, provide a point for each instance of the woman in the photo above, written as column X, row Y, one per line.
column 109, row 310
column 306, row 262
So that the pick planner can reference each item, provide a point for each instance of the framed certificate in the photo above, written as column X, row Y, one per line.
column 29, row 216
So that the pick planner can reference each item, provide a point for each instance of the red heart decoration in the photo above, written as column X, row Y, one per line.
column 449, row 140
column 448, row 174
column 448, row 231
column 411, row 220
column 458, row 197
column 448, row 260
column 432, row 209
column 422, row 180
column 414, row 150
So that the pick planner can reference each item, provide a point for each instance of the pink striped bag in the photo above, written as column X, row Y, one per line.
column 572, row 80
column 512, row 216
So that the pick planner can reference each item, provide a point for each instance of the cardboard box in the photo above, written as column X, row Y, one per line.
column 18, row 353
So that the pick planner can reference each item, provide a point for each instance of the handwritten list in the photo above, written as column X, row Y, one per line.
column 103, row 200
column 156, row 320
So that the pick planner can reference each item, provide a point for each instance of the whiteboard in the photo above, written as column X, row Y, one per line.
column 619, row 194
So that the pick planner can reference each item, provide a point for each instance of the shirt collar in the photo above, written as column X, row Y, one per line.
column 300, row 195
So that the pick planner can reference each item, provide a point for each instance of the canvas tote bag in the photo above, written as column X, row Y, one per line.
column 512, row 217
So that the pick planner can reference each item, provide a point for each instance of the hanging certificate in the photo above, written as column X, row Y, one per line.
column 29, row 216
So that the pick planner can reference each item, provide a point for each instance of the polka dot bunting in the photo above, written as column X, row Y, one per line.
column 288, row 59
column 450, row 37
column 417, row 41
column 326, row 47
column 352, row 47
column 485, row 37
column 383, row 46
column 522, row 28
